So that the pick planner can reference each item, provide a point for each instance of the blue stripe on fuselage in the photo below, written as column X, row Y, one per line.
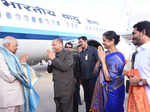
column 34, row 36
column 24, row 33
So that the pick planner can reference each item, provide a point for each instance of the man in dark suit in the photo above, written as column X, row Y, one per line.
column 62, row 68
column 88, row 76
column 76, row 71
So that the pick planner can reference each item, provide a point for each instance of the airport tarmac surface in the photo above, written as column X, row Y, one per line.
column 44, row 88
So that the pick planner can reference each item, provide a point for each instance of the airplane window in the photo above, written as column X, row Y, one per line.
column 86, row 27
column 94, row 28
column 76, row 26
column 33, row 19
column 97, row 29
column 40, row 20
column 90, row 28
column 8, row 15
column 100, row 30
column 53, row 22
column 58, row 23
column 72, row 25
column 26, row 18
column 47, row 22
column 50, row 22
column 18, row 17
column 67, row 24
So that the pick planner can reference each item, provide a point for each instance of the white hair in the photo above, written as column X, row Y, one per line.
column 6, row 41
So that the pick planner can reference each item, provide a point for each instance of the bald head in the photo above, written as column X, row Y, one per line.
column 10, row 43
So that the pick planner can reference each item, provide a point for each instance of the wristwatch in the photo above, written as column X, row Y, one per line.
column 141, row 83
column 49, row 62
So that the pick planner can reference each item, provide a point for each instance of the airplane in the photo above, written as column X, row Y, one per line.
column 35, row 28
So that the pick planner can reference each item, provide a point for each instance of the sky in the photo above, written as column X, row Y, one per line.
column 118, row 15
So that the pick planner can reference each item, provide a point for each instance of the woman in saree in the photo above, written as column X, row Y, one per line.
column 109, row 90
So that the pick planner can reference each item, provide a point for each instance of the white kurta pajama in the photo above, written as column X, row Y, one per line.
column 11, row 91
column 142, row 63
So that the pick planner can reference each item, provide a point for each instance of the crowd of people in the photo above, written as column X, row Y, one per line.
column 100, row 71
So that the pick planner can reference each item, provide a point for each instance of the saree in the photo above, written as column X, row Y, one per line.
column 109, row 96
column 26, row 75
column 137, row 100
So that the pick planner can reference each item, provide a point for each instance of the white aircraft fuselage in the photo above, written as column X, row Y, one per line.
column 35, row 28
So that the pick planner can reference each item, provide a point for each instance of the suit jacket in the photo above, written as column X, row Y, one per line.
column 11, row 91
column 62, row 69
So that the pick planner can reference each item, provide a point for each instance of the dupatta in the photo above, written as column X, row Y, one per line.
column 137, row 100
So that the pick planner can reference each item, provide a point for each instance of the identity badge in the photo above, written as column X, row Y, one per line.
column 86, row 57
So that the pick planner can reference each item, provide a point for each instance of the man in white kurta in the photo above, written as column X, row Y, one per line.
column 11, row 90
column 142, row 63
column 141, row 38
